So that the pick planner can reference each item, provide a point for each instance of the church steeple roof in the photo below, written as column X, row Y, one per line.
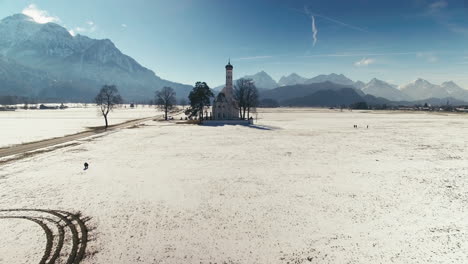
column 229, row 66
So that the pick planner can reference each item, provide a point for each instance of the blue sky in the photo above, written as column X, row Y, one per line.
column 191, row 40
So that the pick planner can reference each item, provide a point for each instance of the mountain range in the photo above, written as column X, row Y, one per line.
column 336, row 95
column 46, row 61
column 415, row 91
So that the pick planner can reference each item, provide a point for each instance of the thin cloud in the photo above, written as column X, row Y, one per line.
column 253, row 58
column 438, row 5
column 359, row 54
column 364, row 62
column 124, row 25
column 40, row 16
column 428, row 56
column 457, row 28
column 440, row 12
column 89, row 27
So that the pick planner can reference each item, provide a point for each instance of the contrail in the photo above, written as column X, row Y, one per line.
column 307, row 12
column 314, row 30
column 314, row 27
column 342, row 23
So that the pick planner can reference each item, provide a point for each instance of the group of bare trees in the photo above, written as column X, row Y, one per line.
column 246, row 95
column 108, row 98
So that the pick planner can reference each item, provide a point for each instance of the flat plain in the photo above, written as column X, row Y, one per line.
column 303, row 186
column 22, row 126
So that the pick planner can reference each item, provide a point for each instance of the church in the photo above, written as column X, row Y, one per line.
column 225, row 106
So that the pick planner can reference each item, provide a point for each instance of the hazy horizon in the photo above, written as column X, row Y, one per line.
column 187, row 41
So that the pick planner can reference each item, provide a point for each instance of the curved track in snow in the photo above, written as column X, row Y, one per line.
column 66, row 233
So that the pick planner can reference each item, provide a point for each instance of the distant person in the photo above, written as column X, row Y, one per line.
column 367, row 126
column 86, row 165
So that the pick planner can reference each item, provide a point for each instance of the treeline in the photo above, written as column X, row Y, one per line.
column 12, row 100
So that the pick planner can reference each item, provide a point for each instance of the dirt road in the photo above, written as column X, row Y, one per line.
column 23, row 148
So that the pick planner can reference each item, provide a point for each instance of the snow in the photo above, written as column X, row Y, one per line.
column 23, row 126
column 383, row 89
column 308, row 188
column 24, row 238
column 291, row 79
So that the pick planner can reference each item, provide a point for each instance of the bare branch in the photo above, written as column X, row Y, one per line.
column 107, row 99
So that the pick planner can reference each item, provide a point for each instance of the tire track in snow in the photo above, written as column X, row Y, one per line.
column 67, row 224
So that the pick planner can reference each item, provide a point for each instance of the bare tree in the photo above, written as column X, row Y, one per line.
column 239, row 94
column 246, row 95
column 251, row 99
column 107, row 99
column 165, row 99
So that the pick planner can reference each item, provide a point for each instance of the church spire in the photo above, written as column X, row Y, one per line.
column 229, row 66
column 229, row 86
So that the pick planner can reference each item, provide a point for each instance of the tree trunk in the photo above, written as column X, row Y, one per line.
column 243, row 117
column 105, row 118
column 248, row 113
column 165, row 112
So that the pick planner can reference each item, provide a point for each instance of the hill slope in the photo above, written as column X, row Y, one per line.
column 382, row 89
column 73, row 64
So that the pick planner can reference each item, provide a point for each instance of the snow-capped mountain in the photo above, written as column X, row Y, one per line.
column 415, row 91
column 380, row 88
column 334, row 78
column 422, row 89
column 262, row 80
column 294, row 79
column 291, row 79
column 359, row 84
column 452, row 88
column 73, row 62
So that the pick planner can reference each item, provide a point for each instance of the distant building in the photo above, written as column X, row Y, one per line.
column 224, row 105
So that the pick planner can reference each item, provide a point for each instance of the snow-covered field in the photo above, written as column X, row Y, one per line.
column 23, row 126
column 305, row 187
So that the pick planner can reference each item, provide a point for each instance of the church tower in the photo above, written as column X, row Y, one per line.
column 224, row 105
column 229, row 87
